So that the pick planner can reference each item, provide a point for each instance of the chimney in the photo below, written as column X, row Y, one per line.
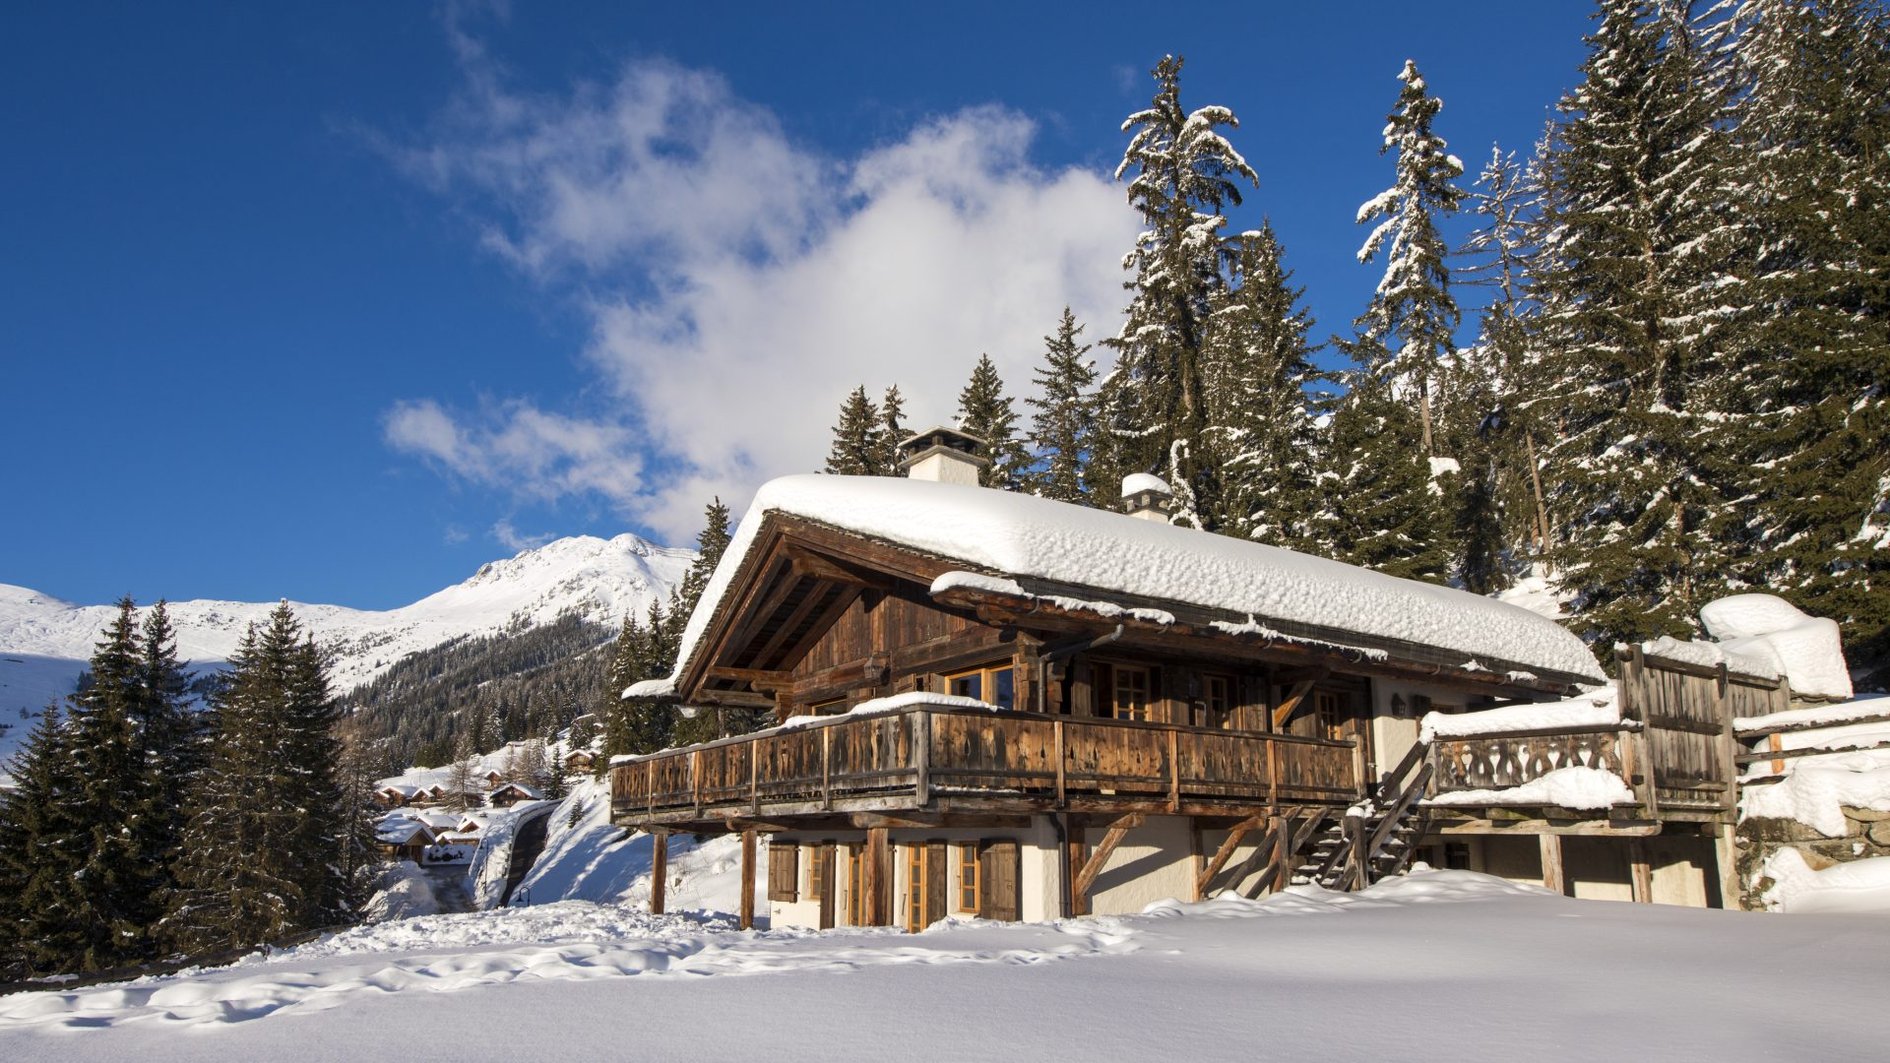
column 943, row 455
column 1146, row 496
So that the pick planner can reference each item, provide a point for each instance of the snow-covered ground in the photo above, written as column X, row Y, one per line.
column 1436, row 965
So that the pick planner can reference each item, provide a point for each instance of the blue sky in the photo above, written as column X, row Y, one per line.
column 336, row 302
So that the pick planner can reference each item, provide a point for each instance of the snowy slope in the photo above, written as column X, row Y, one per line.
column 45, row 642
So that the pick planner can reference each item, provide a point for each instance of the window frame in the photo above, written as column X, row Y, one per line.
column 1146, row 712
column 987, row 680
column 969, row 888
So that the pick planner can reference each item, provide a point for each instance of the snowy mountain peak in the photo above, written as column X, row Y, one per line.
column 45, row 642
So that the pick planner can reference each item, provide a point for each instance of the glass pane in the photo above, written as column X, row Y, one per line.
column 968, row 686
column 1005, row 697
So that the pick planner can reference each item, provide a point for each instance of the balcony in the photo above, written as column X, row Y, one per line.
column 942, row 759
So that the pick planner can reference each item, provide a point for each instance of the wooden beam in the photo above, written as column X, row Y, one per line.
column 873, row 871
column 1578, row 828
column 1551, row 848
column 815, row 598
column 1073, row 843
column 748, row 880
column 1290, row 704
column 1641, row 872
column 813, row 565
column 1221, row 855
column 1118, row 830
column 659, row 869
column 768, row 679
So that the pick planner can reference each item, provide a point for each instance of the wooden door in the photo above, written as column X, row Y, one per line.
column 999, row 896
column 936, row 874
column 856, row 885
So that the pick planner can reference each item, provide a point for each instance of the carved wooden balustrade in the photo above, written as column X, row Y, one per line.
column 948, row 758
column 1499, row 761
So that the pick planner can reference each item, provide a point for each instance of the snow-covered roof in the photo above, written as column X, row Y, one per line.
column 1017, row 535
column 528, row 791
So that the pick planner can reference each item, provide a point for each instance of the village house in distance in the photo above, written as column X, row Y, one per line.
column 996, row 704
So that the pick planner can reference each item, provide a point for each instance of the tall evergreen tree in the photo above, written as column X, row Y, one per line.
column 1413, row 316
column 892, row 431
column 270, row 846
column 1262, row 390
column 42, row 848
column 1634, row 248
column 857, row 449
column 1064, row 424
column 1379, row 510
column 985, row 411
column 1810, row 354
column 1182, row 174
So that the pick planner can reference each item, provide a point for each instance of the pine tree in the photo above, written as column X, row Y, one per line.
column 985, row 411
column 1153, row 406
column 273, row 840
column 1412, row 315
column 1811, row 352
column 892, row 407
column 41, row 851
column 110, row 807
column 1379, row 510
column 1065, row 422
column 1634, row 193
column 1262, row 386
column 858, row 439
column 711, row 543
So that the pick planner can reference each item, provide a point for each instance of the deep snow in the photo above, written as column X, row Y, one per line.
column 1436, row 965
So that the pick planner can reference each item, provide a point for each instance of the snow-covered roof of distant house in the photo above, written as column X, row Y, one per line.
column 1016, row 535
column 402, row 832
column 397, row 788
column 528, row 791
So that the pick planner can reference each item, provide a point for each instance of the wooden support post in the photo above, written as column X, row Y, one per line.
column 922, row 757
column 1273, row 773
column 1056, row 729
column 1073, row 846
column 826, row 763
column 1197, row 856
column 1640, row 871
column 1174, row 771
column 1773, row 744
column 659, row 869
column 1551, row 846
column 748, row 880
column 695, row 779
column 1118, row 830
column 1726, row 856
column 1358, row 876
column 873, row 871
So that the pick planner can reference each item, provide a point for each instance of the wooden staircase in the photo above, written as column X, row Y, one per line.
column 1377, row 837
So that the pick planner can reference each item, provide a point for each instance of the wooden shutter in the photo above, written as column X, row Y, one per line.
column 997, row 885
column 936, row 877
column 784, row 872
column 823, row 857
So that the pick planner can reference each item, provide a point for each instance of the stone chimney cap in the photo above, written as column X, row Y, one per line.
column 920, row 445
column 1137, row 482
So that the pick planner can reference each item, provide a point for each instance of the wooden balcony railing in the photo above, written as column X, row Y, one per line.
column 1502, row 760
column 947, row 757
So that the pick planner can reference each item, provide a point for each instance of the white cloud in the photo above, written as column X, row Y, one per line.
column 738, row 284
column 512, row 539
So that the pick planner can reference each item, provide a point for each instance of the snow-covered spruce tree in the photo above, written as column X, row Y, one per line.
column 462, row 775
column 111, row 802
column 41, row 850
column 1812, row 347
column 856, row 449
column 1182, row 174
column 985, row 411
column 1634, row 247
column 1378, row 509
column 267, row 849
column 892, row 432
column 1412, row 316
column 632, row 726
column 1262, row 387
column 1065, row 417
column 175, row 746
column 1496, row 374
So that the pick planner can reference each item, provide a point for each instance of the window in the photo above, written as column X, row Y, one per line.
column 992, row 683
column 1217, row 695
column 832, row 707
column 814, row 861
column 783, row 869
column 856, row 885
column 968, row 878
column 1329, row 711
column 1129, row 693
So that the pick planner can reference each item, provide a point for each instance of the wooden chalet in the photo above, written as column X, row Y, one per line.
column 404, row 839
column 508, row 794
column 998, row 704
